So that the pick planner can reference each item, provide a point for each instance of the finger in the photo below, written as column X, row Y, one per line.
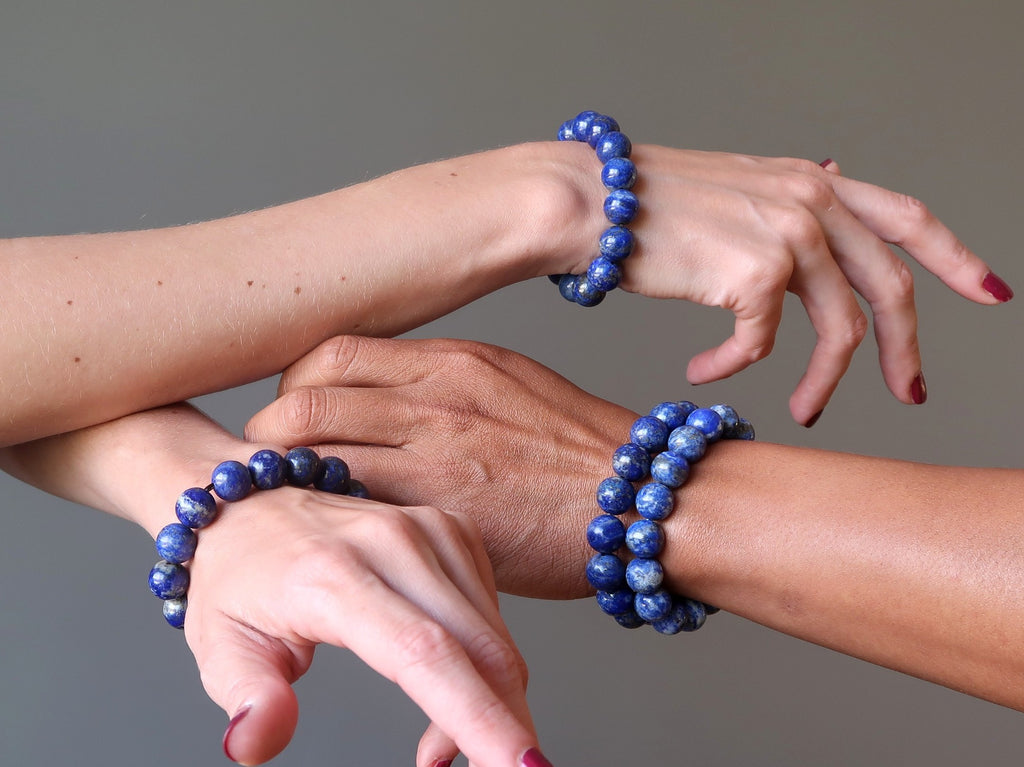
column 831, row 166
column 435, row 748
column 906, row 222
column 753, row 339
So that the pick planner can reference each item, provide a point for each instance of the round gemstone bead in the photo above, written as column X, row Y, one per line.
column 688, row 442
column 649, row 433
column 654, row 501
column 631, row 462
column 670, row 469
column 302, row 466
column 231, row 480
column 730, row 418
column 616, row 243
column 604, row 274
column 176, row 543
column 196, row 507
column 606, row 572
column 672, row 414
column 653, row 607
column 168, row 580
column 618, row 173
column 630, row 620
column 615, row 495
column 744, row 430
column 616, row 602
column 565, row 131
column 334, row 475
column 267, row 469
column 710, row 609
column 613, row 144
column 586, row 293
column 606, row 534
column 708, row 421
column 621, row 206
column 644, row 575
column 645, row 538
column 357, row 489
column 599, row 126
column 685, row 615
column 567, row 287
column 174, row 611
column 581, row 124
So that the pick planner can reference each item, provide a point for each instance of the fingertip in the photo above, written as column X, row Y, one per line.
column 435, row 748
column 997, row 288
column 830, row 165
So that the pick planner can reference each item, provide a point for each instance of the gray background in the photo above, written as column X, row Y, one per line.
column 118, row 115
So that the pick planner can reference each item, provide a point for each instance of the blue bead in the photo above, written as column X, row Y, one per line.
column 357, row 489
column 730, row 418
column 649, row 433
column 586, row 294
column 606, row 534
column 599, row 126
column 710, row 609
column 654, row 501
column 168, row 580
column 567, row 287
column 231, row 480
column 744, row 430
column 670, row 469
column 621, row 206
column 685, row 615
column 616, row 243
column 708, row 421
column 613, row 144
column 301, row 466
column 631, row 462
column 672, row 414
column 645, row 538
column 616, row 602
column 565, row 131
column 606, row 572
column 174, row 611
column 615, row 495
column 604, row 274
column 581, row 124
column 333, row 477
column 630, row 620
column 653, row 607
column 556, row 278
column 267, row 469
column 196, row 507
column 643, row 575
column 688, row 442
column 176, row 543
column 618, row 173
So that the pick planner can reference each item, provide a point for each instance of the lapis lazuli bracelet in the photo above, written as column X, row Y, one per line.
column 663, row 445
column 618, row 174
column 232, row 481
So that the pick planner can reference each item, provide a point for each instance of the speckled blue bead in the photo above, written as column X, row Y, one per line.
column 357, row 489
column 670, row 469
column 600, row 126
column 631, row 462
column 620, row 206
column 743, row 430
column 616, row 602
column 630, row 620
column 168, row 580
column 708, row 421
column 730, row 418
column 645, row 538
column 649, row 433
column 616, row 243
column 653, row 607
column 685, row 615
column 174, row 611
column 710, row 609
column 196, row 507
column 654, row 501
column 565, row 131
column 176, row 543
column 267, row 469
column 585, row 293
column 618, row 173
column 688, row 442
column 567, row 287
column 613, row 144
column 604, row 274
column 301, row 466
column 231, row 480
column 606, row 534
column 615, row 495
column 644, row 575
column 606, row 572
column 333, row 477
column 672, row 414
column 581, row 124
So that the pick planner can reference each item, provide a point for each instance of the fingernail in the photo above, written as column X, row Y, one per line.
column 826, row 162
column 918, row 390
column 534, row 758
column 813, row 419
column 997, row 288
column 227, row 733
column 442, row 763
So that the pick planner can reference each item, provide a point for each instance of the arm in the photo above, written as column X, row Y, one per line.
column 918, row 568
column 98, row 326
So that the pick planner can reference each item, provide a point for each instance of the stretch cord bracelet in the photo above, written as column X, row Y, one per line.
column 663, row 445
column 232, row 481
column 620, row 207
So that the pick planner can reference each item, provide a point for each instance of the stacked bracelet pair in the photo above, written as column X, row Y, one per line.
column 663, row 445
column 232, row 481
column 618, row 174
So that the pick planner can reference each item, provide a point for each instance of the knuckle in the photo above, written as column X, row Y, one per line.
column 801, row 228
column 808, row 189
column 902, row 282
column 335, row 357
column 914, row 214
column 424, row 643
column 300, row 410
column 494, row 658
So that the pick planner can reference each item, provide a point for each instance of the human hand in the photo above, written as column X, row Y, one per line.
column 467, row 427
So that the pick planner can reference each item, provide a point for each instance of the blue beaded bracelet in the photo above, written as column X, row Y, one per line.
column 618, row 174
column 663, row 445
column 232, row 481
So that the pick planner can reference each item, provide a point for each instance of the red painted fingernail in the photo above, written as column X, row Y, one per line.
column 826, row 162
column 813, row 419
column 534, row 758
column 997, row 288
column 918, row 390
column 227, row 733
column 442, row 763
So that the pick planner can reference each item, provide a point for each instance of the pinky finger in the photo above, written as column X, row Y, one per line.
column 753, row 339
